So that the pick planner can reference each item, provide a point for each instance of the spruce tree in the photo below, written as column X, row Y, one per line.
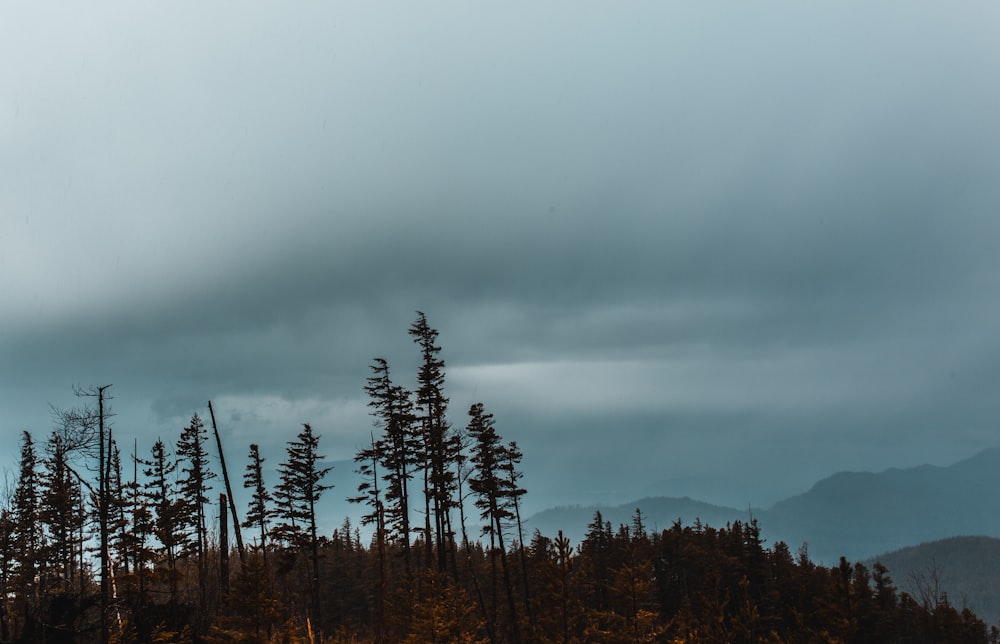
column 496, row 493
column 168, row 510
column 259, row 512
column 60, row 499
column 194, row 488
column 399, row 450
column 440, row 447
column 135, row 541
column 27, row 532
column 7, row 561
column 301, row 487
column 370, row 493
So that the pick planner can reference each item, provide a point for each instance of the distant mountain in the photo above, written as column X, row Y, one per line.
column 851, row 514
column 658, row 513
column 859, row 514
column 966, row 568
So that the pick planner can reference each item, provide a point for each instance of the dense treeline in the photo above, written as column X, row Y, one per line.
column 95, row 547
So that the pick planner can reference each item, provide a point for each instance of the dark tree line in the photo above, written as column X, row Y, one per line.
column 94, row 547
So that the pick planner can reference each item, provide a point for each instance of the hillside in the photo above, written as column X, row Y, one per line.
column 859, row 514
column 852, row 514
column 966, row 568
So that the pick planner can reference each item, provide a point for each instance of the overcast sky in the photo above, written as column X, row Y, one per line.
column 717, row 249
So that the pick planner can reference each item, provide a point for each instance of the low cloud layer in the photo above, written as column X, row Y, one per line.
column 664, row 241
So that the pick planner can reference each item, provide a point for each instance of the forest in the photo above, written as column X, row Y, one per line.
column 101, row 546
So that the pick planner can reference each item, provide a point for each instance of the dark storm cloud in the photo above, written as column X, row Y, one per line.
column 700, row 240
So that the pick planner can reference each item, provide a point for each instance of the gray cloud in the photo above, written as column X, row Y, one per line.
column 754, row 241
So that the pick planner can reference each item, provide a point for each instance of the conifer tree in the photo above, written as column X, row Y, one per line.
column 168, row 508
column 120, row 529
column 259, row 512
column 194, row 488
column 301, row 485
column 439, row 445
column 7, row 561
column 27, row 533
column 399, row 450
column 134, row 542
column 60, row 498
column 496, row 492
column 370, row 493
column 509, row 466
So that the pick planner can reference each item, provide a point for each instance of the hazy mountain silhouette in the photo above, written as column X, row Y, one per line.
column 852, row 514
column 657, row 513
column 860, row 514
column 967, row 569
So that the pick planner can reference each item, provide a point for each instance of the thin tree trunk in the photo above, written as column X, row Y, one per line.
column 524, row 562
column 314, row 543
column 102, row 512
column 229, row 489
column 490, row 631
column 223, row 545
column 511, row 606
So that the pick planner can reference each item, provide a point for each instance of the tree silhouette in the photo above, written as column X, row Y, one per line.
column 496, row 493
column 301, row 482
column 193, row 489
column 439, row 446
column 259, row 512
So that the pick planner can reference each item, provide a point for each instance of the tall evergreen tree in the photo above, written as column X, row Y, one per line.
column 134, row 542
column 27, row 533
column 370, row 493
column 194, row 488
column 399, row 450
column 259, row 512
column 509, row 466
column 7, row 561
column 120, row 527
column 168, row 508
column 60, row 499
column 301, row 483
column 440, row 447
column 496, row 492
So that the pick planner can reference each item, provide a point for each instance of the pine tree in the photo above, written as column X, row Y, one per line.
column 168, row 508
column 509, row 466
column 301, row 486
column 27, row 532
column 439, row 446
column 259, row 512
column 194, row 488
column 496, row 491
column 399, row 450
column 135, row 541
column 120, row 528
column 7, row 561
column 60, row 498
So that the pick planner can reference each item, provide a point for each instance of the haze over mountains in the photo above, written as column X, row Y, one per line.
column 966, row 568
column 853, row 514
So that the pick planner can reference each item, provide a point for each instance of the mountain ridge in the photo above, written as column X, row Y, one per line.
column 852, row 514
column 965, row 568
